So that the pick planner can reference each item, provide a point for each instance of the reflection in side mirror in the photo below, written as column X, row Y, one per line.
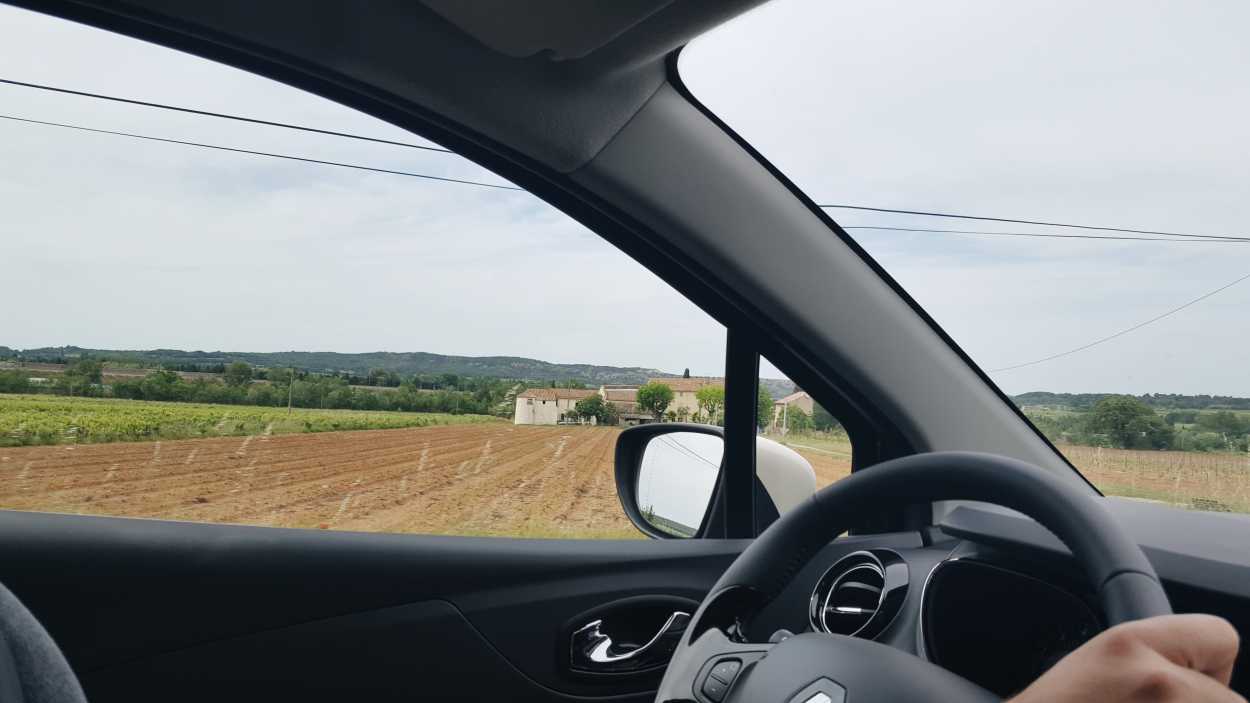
column 676, row 480
column 668, row 475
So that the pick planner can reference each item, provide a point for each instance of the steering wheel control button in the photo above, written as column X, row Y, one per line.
column 726, row 670
column 821, row 691
column 715, row 689
column 780, row 636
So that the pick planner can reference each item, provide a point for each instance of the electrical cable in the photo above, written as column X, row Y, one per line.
column 261, row 153
column 1122, row 332
column 220, row 115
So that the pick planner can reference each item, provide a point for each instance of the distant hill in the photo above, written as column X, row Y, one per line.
column 403, row 363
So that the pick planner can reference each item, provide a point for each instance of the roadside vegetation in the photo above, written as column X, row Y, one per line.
column 1128, row 422
column 41, row 419
column 1194, row 457
column 241, row 384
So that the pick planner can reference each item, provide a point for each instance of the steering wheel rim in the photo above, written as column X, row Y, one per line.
column 1125, row 582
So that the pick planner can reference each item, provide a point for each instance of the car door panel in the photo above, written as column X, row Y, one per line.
column 140, row 606
column 423, row 650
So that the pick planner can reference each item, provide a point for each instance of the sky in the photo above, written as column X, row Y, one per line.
column 1122, row 114
column 1125, row 114
column 115, row 243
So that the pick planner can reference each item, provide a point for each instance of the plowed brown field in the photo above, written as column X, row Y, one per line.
column 491, row 479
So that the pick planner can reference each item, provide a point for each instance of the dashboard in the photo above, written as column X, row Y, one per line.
column 998, row 627
column 994, row 597
column 990, row 623
column 997, row 617
column 982, row 613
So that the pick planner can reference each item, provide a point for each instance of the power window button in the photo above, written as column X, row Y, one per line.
column 727, row 670
column 715, row 689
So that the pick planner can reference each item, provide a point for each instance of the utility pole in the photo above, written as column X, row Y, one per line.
column 290, row 391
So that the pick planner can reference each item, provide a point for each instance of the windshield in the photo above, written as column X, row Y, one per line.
column 1063, row 188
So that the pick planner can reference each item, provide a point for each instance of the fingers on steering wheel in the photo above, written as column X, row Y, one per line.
column 1203, row 644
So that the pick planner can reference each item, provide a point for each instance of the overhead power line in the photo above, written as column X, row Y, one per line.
column 220, row 115
column 1039, row 223
column 1213, row 240
column 271, row 155
column 1125, row 331
column 143, row 103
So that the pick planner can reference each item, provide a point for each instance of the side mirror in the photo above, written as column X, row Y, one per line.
column 668, row 477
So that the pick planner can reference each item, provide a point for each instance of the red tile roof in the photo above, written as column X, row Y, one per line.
column 557, row 393
column 687, row 385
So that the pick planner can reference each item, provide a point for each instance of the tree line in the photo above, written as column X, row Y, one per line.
column 1160, row 401
column 241, row 384
column 1128, row 422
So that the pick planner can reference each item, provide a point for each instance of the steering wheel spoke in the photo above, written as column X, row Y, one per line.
column 710, row 668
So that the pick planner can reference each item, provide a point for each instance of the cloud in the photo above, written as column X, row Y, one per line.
column 1097, row 114
column 118, row 243
column 1100, row 114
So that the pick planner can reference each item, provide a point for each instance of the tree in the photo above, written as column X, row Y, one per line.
column 763, row 408
column 1129, row 423
column 84, row 373
column 237, row 374
column 822, row 420
column 1181, row 417
column 686, row 373
column 611, row 415
column 711, row 400
column 1224, row 422
column 162, row 384
column 796, row 420
column 592, row 406
column 655, row 398
column 14, row 381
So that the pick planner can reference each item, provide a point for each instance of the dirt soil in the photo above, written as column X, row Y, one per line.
column 492, row 479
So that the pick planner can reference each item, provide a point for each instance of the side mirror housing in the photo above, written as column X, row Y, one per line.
column 668, row 478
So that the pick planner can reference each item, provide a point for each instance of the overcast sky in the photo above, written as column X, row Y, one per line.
column 1122, row 114
column 1125, row 113
column 116, row 243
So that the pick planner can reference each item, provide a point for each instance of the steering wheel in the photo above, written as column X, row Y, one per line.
column 822, row 668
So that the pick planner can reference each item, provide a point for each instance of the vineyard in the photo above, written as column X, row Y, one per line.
column 1218, row 481
column 41, row 419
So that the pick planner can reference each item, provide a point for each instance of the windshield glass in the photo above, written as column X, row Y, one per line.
column 1123, row 337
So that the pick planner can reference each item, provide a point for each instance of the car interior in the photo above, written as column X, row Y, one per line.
column 961, row 558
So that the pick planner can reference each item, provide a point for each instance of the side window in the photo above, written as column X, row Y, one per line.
column 789, row 416
column 200, row 334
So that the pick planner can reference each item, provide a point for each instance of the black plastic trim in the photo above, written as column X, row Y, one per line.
column 897, row 447
column 742, row 375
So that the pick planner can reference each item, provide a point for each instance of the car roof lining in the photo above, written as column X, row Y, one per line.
column 558, row 29
column 560, row 113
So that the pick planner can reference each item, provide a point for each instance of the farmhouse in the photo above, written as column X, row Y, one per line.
column 625, row 400
column 684, row 390
column 782, row 407
column 547, row 406
column 550, row 406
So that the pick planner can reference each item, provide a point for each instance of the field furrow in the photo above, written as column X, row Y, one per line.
column 486, row 479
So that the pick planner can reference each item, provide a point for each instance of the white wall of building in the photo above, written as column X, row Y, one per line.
column 536, row 411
